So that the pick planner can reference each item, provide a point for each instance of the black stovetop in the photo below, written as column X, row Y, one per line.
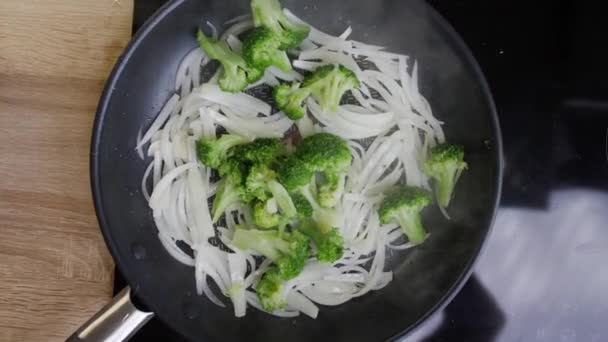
column 542, row 276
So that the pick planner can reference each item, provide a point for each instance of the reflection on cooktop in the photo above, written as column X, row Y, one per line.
column 541, row 275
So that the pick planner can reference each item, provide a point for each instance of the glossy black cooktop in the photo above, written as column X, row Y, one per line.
column 543, row 274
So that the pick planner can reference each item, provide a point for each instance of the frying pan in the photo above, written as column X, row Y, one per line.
column 425, row 278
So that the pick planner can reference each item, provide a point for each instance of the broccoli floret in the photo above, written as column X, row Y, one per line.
column 328, row 83
column 294, row 173
column 231, row 188
column 289, row 251
column 307, row 206
column 257, row 181
column 290, row 99
column 268, row 13
column 232, row 167
column 270, row 290
column 261, row 50
column 444, row 165
column 303, row 206
column 319, row 75
column 261, row 181
column 403, row 205
column 332, row 189
column 266, row 214
column 261, row 150
column 329, row 155
column 323, row 151
column 327, row 240
column 236, row 74
column 319, row 223
column 213, row 152
column 244, row 176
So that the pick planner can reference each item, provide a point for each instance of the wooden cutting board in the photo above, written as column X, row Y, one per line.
column 55, row 56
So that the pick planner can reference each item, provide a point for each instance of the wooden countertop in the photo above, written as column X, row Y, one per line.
column 55, row 55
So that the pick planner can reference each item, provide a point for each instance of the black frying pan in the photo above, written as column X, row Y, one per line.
column 425, row 277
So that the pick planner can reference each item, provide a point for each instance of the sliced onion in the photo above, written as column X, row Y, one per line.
column 237, row 29
column 175, row 251
column 160, row 120
column 346, row 33
column 213, row 29
column 235, row 44
column 237, row 19
column 252, row 299
column 326, row 293
column 300, row 303
column 241, row 101
column 144, row 182
column 161, row 188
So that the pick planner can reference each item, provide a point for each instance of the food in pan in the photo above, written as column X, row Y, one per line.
column 289, row 161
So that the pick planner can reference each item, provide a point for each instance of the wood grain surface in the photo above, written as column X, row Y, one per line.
column 55, row 55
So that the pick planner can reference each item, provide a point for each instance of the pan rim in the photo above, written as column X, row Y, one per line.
column 165, row 11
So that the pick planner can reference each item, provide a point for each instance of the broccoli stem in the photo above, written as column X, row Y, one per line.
column 282, row 197
column 227, row 141
column 227, row 194
column 265, row 243
column 332, row 101
column 270, row 14
column 308, row 228
column 281, row 228
column 333, row 189
column 216, row 49
column 444, row 187
column 325, row 218
column 411, row 225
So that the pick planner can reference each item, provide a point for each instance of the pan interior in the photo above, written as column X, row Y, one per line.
column 424, row 277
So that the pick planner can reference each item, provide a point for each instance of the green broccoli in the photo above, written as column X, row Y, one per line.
column 444, row 165
column 261, row 150
column 266, row 214
column 236, row 74
column 229, row 192
column 288, row 251
column 231, row 188
column 261, row 50
column 329, row 155
column 317, row 222
column 241, row 164
column 303, row 206
column 294, row 173
column 261, row 182
column 213, row 152
column 327, row 240
column 232, row 167
column 270, row 290
column 304, row 197
column 403, row 205
column 290, row 99
column 268, row 13
column 327, row 84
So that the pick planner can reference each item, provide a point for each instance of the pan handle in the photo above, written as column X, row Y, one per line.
column 116, row 322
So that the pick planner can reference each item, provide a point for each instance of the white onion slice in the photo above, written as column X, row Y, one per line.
column 160, row 119
column 241, row 101
column 252, row 299
column 300, row 303
column 235, row 44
